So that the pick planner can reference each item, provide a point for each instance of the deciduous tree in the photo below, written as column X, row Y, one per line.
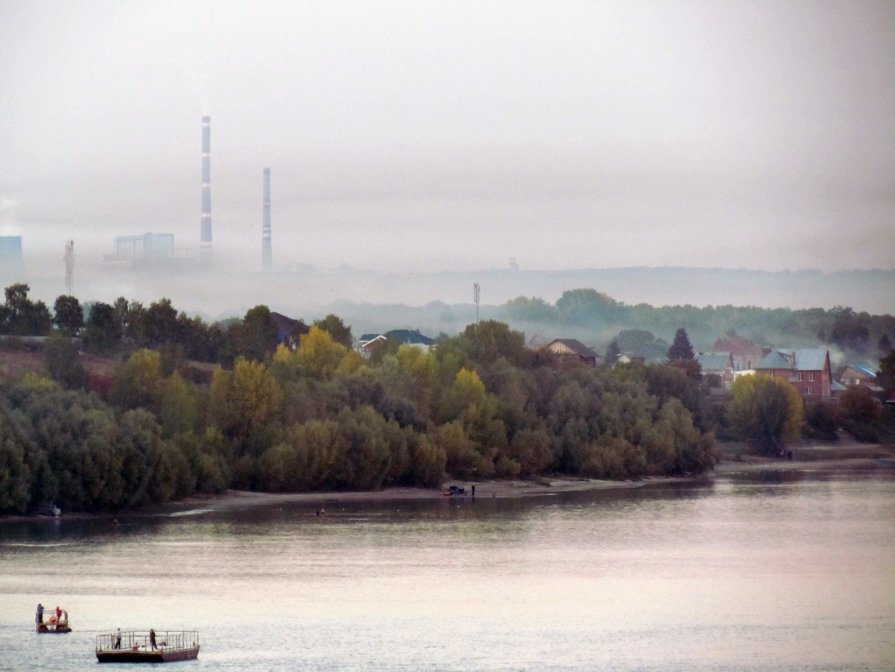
column 68, row 315
column 767, row 412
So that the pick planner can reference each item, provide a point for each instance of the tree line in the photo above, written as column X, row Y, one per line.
column 319, row 416
column 595, row 317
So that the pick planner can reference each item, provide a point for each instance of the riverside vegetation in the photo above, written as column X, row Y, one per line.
column 319, row 417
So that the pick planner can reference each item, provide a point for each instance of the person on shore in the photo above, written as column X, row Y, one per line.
column 40, row 613
column 152, row 639
column 118, row 638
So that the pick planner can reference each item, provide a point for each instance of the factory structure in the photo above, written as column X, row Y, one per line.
column 12, row 263
column 266, row 253
column 205, row 236
column 153, row 250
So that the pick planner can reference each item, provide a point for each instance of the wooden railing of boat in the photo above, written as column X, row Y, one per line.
column 136, row 646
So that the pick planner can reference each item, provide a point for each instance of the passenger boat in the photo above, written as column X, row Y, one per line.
column 53, row 622
column 142, row 646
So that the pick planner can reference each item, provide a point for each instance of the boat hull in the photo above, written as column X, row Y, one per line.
column 53, row 630
column 159, row 656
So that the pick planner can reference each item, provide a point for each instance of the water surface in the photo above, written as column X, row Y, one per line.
column 770, row 571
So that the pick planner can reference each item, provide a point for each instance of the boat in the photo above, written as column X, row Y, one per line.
column 53, row 622
column 147, row 646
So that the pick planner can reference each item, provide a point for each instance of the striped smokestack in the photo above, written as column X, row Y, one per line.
column 266, row 254
column 205, row 239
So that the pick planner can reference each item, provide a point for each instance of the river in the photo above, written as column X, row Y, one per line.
column 763, row 571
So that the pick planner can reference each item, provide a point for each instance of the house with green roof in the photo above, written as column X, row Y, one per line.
column 717, row 364
column 808, row 369
column 368, row 342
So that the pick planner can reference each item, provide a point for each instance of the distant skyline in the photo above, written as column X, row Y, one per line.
column 456, row 135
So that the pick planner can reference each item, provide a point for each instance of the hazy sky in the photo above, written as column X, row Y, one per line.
column 457, row 135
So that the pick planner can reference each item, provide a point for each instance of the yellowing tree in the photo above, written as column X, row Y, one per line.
column 245, row 399
column 319, row 354
column 767, row 411
column 138, row 382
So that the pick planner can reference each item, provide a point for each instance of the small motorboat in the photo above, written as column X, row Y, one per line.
column 138, row 646
column 52, row 622
column 454, row 491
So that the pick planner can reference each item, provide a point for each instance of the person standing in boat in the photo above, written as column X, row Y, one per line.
column 152, row 639
column 118, row 638
column 40, row 613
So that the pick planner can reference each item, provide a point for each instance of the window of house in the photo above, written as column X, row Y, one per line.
column 809, row 390
column 811, row 377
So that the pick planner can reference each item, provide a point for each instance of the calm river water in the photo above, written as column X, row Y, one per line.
column 767, row 571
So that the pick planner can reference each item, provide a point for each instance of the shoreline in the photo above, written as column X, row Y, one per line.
column 732, row 461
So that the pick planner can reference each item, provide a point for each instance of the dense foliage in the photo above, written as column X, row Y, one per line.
column 320, row 417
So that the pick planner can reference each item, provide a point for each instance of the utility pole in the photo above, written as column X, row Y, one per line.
column 476, row 290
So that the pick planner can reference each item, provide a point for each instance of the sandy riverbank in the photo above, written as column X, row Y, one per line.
column 733, row 461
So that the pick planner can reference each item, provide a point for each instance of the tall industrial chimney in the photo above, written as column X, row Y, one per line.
column 266, row 254
column 205, row 239
column 69, row 259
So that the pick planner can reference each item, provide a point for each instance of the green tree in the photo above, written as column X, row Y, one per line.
column 255, row 337
column 850, row 330
column 68, row 315
column 160, row 323
column 767, row 412
column 337, row 330
column 102, row 332
column 490, row 340
column 534, row 309
column 15, row 476
column 178, row 406
column 680, row 348
column 585, row 306
column 130, row 321
column 21, row 316
column 821, row 421
column 886, row 373
column 63, row 364
column 861, row 413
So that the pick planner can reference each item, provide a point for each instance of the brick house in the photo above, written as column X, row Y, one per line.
column 744, row 353
column 807, row 368
column 859, row 375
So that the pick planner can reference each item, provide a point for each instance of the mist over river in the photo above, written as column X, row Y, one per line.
column 762, row 571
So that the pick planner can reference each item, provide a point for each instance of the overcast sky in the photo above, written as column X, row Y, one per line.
column 458, row 135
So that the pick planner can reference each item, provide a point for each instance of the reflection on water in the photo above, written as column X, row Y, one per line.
column 764, row 571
